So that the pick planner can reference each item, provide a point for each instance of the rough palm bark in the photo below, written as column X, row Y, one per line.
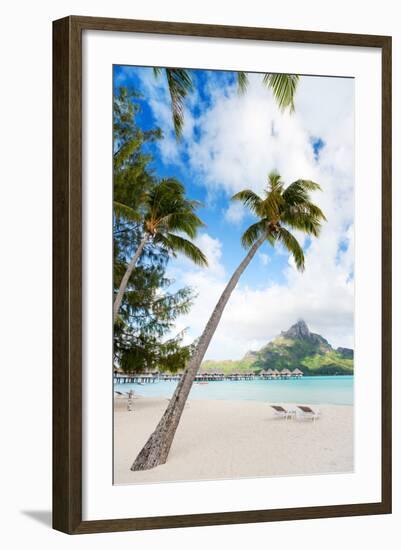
column 124, row 281
column 155, row 451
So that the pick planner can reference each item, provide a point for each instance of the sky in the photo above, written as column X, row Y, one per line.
column 231, row 142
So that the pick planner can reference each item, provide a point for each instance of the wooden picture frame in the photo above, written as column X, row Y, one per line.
column 67, row 274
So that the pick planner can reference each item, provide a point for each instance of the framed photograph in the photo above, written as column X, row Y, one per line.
column 222, row 275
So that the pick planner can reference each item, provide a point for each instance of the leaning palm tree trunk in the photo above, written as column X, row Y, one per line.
column 127, row 275
column 156, row 449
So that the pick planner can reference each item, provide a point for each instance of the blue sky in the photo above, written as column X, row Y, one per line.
column 231, row 142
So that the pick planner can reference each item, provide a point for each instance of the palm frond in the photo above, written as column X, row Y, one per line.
column 272, row 206
column 304, row 216
column 170, row 210
column 293, row 247
column 303, row 221
column 275, row 181
column 250, row 199
column 168, row 189
column 183, row 221
column 164, row 196
column 270, row 238
column 180, row 84
column 283, row 87
column 299, row 211
column 299, row 189
column 274, row 199
column 175, row 243
column 253, row 233
column 125, row 211
column 242, row 81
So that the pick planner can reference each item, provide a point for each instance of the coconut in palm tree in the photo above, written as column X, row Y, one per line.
column 279, row 210
column 167, row 215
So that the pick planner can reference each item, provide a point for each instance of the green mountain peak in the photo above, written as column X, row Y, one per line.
column 296, row 347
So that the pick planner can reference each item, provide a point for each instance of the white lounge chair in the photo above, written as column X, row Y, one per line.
column 281, row 412
column 304, row 412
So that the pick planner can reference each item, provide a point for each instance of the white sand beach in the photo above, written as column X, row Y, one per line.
column 233, row 439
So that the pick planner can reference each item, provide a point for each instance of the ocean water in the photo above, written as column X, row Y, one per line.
column 334, row 390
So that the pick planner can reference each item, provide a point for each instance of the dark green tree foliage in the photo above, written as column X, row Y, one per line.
column 149, row 308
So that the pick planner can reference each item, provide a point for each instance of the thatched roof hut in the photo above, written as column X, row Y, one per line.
column 297, row 372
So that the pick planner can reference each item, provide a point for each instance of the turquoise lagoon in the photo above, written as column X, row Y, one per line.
column 333, row 390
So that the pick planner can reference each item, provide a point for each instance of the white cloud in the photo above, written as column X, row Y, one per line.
column 264, row 258
column 235, row 213
column 213, row 251
column 239, row 140
column 237, row 147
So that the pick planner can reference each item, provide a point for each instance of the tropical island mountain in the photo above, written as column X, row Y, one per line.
column 295, row 348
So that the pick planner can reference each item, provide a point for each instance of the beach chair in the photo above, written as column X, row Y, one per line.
column 304, row 412
column 281, row 412
column 129, row 396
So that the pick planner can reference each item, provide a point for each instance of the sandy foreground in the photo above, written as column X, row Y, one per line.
column 233, row 439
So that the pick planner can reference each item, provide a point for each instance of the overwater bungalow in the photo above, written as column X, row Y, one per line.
column 297, row 373
column 215, row 375
column 266, row 374
column 207, row 376
column 204, row 376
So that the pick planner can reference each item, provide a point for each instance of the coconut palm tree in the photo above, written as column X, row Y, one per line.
column 278, row 210
column 166, row 215
column 283, row 87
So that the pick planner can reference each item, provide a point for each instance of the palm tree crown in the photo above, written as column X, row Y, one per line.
column 282, row 208
column 167, row 215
